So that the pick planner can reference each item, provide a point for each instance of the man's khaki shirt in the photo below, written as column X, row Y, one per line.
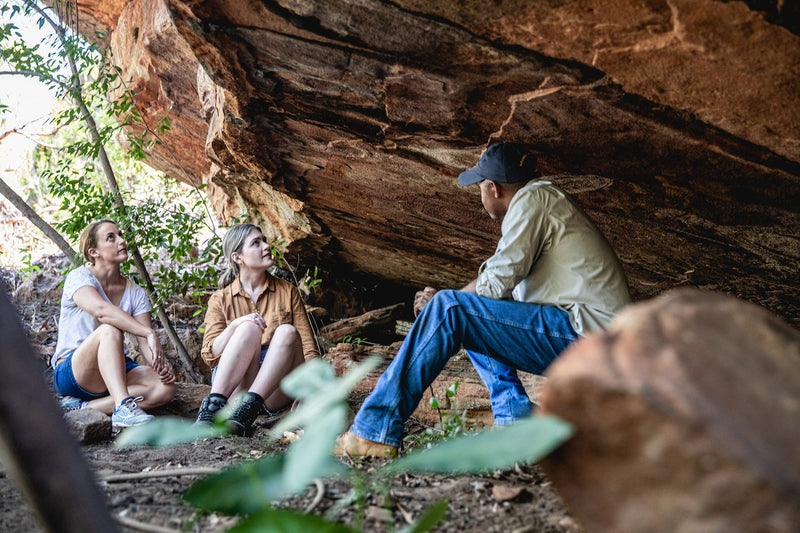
column 550, row 253
column 279, row 303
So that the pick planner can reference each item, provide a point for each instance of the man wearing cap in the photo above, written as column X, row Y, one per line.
column 552, row 278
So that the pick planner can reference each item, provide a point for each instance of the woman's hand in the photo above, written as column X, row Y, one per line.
column 255, row 318
column 159, row 362
column 166, row 373
column 156, row 349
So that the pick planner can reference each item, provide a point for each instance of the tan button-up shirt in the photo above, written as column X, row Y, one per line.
column 279, row 304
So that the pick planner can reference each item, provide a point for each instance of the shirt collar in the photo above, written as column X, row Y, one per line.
column 236, row 286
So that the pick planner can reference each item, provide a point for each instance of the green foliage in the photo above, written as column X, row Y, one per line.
column 161, row 222
column 353, row 340
column 243, row 489
column 29, row 268
column 288, row 521
column 310, row 281
column 525, row 441
column 429, row 519
column 450, row 425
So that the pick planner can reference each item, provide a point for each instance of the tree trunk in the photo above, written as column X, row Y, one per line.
column 189, row 369
column 28, row 212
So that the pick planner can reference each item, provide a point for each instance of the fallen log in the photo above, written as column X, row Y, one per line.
column 360, row 326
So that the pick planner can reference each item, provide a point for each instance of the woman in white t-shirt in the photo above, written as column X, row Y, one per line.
column 98, row 305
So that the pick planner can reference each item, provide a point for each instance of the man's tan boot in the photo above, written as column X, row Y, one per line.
column 355, row 446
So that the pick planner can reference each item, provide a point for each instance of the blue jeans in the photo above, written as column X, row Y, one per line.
column 499, row 336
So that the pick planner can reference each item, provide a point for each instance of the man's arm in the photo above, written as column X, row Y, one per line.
column 524, row 237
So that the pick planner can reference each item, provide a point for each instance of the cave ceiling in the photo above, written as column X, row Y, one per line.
column 341, row 126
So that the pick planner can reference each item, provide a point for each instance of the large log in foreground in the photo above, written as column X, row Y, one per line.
column 686, row 414
column 37, row 447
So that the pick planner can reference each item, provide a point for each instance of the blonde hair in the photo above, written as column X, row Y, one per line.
column 88, row 239
column 232, row 243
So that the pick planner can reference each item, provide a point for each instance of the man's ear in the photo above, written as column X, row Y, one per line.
column 495, row 189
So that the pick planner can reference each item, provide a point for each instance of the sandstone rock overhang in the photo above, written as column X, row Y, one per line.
column 341, row 126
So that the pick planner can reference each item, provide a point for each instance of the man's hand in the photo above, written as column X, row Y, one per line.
column 422, row 298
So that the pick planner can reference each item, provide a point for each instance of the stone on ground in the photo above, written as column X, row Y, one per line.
column 88, row 425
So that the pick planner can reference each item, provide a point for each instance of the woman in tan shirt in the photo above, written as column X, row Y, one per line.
column 256, row 332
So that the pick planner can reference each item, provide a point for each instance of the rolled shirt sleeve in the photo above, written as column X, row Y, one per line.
column 303, row 326
column 215, row 324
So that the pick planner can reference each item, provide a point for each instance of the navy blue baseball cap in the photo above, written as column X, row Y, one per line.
column 504, row 163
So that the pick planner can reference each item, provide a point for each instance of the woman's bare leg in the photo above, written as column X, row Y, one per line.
column 285, row 353
column 239, row 358
column 143, row 382
column 99, row 366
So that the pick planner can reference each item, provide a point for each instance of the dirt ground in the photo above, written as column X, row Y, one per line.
column 518, row 500
column 157, row 501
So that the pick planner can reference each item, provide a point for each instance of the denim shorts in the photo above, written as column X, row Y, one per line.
column 260, row 361
column 65, row 384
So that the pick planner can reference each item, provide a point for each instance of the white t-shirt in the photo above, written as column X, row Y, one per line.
column 75, row 324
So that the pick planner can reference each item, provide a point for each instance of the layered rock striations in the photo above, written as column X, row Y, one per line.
column 342, row 125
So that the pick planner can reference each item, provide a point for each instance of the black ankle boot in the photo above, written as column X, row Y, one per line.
column 245, row 414
column 209, row 408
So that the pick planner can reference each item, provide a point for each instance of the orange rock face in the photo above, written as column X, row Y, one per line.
column 341, row 127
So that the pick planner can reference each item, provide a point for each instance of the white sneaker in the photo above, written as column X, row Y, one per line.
column 70, row 403
column 129, row 414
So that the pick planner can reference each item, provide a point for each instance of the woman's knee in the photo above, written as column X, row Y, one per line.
column 249, row 331
column 107, row 332
column 286, row 335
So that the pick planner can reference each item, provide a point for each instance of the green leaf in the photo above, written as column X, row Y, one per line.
column 526, row 441
column 315, row 383
column 429, row 519
column 166, row 431
column 434, row 403
column 288, row 521
column 452, row 389
column 309, row 379
column 310, row 457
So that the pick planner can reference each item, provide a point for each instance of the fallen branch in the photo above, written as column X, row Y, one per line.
column 142, row 526
column 199, row 471
column 318, row 497
column 37, row 221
